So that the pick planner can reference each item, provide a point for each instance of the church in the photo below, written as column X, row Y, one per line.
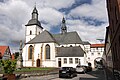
column 44, row 49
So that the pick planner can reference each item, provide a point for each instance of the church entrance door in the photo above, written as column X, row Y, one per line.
column 59, row 63
column 38, row 62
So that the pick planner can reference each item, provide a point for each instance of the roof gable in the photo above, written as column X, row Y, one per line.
column 43, row 37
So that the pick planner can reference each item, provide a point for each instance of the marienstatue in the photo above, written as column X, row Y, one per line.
column 20, row 59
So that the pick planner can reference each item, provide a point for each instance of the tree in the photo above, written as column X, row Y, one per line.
column 16, row 55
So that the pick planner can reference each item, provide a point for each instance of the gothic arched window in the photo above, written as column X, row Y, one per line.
column 47, row 50
column 30, row 52
column 30, row 32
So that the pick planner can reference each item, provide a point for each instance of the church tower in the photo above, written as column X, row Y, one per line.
column 33, row 27
column 63, row 27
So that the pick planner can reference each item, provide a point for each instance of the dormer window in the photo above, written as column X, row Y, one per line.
column 70, row 45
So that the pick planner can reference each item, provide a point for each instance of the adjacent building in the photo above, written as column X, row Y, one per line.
column 94, row 53
column 5, row 52
column 112, row 41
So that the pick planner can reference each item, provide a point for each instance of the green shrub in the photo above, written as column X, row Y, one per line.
column 9, row 66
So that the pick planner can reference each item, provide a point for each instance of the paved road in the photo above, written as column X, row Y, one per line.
column 94, row 75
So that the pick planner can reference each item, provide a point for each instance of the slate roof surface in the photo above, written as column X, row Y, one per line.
column 44, row 37
column 70, row 52
column 86, row 43
column 67, row 38
column 34, row 22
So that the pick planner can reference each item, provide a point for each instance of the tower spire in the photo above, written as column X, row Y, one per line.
column 63, row 27
column 34, row 20
column 35, row 13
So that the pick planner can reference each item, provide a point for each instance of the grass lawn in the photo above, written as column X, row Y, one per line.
column 27, row 69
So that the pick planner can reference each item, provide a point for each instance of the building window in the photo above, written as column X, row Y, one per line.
column 47, row 48
column 92, row 53
column 76, row 60
column 59, row 59
column 65, row 60
column 70, row 60
column 30, row 52
column 98, row 53
column 88, row 58
column 30, row 32
column 62, row 46
column 97, row 48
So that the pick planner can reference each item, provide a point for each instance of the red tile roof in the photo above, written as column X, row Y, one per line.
column 3, row 49
column 97, row 45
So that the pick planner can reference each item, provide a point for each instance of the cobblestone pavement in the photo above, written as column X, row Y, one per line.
column 94, row 75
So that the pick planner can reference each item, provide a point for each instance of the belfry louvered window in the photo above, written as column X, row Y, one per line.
column 30, row 32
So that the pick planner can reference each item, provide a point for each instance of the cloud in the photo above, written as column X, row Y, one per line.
column 51, row 3
column 50, row 16
column 15, row 14
column 94, row 10
column 87, row 32
column 89, row 20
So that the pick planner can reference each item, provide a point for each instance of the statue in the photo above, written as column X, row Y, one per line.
column 20, row 59
column 21, row 44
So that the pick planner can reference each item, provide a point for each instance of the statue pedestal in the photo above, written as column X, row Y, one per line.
column 19, row 64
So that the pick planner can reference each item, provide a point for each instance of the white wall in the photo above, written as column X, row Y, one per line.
column 35, row 31
column 37, row 50
column 49, row 63
column 69, row 64
column 93, row 54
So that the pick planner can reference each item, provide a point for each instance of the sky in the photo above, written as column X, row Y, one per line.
column 87, row 17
